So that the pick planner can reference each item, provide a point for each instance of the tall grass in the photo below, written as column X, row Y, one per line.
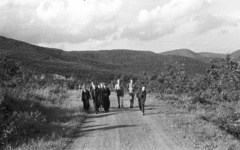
column 37, row 116
column 210, row 126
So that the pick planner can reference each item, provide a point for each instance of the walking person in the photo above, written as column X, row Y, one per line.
column 120, row 93
column 100, row 87
column 131, row 91
column 85, row 98
column 94, row 91
column 105, row 98
column 142, row 98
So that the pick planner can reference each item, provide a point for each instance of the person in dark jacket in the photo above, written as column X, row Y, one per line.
column 141, row 95
column 100, row 87
column 94, row 91
column 85, row 98
column 105, row 98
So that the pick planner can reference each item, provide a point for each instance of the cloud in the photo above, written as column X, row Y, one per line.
column 178, row 17
column 173, row 16
column 56, row 21
column 208, row 22
column 163, row 20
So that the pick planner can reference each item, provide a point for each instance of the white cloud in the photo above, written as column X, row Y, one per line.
column 177, row 16
column 56, row 21
column 208, row 22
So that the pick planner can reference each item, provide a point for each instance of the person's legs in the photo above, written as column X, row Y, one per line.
column 108, row 104
column 105, row 104
column 95, row 106
column 98, row 106
column 142, row 102
column 121, row 101
column 131, row 100
column 105, row 108
column 87, row 104
column 130, row 97
column 139, row 104
column 118, row 97
column 84, row 105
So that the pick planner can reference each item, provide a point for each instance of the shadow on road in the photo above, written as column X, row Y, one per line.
column 107, row 128
column 86, row 132
column 93, row 126
column 100, row 115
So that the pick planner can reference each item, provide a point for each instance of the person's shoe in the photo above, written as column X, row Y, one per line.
column 122, row 106
column 118, row 106
column 143, row 114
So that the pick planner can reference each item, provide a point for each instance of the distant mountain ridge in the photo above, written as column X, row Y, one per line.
column 101, row 65
column 202, row 56
column 182, row 52
column 186, row 53
column 212, row 55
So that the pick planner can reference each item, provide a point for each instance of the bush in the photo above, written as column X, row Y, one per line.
column 20, row 125
column 20, row 114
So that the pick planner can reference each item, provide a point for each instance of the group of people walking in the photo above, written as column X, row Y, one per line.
column 100, row 93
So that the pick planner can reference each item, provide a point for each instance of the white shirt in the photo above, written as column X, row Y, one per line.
column 117, row 87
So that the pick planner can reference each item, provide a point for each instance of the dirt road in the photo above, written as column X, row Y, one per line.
column 125, row 129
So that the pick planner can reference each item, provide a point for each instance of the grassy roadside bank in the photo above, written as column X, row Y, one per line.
column 41, row 118
column 190, row 124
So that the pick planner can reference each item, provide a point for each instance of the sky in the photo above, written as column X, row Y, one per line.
column 153, row 25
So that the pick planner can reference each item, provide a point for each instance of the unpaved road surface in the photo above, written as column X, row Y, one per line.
column 125, row 129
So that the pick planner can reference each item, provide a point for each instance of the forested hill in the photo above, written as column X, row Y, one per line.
column 102, row 65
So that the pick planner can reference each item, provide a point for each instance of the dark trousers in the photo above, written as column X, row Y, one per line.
column 120, row 100
column 131, row 95
column 141, row 105
column 106, row 104
column 96, row 105
column 86, row 104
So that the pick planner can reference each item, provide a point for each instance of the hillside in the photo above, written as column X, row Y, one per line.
column 102, row 65
column 235, row 55
column 185, row 53
column 212, row 55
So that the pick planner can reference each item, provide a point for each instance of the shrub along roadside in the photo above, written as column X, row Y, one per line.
column 198, row 124
column 215, row 93
column 30, row 124
column 34, row 114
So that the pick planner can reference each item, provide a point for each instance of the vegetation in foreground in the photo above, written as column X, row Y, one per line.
column 43, row 115
column 203, row 104
column 35, row 114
